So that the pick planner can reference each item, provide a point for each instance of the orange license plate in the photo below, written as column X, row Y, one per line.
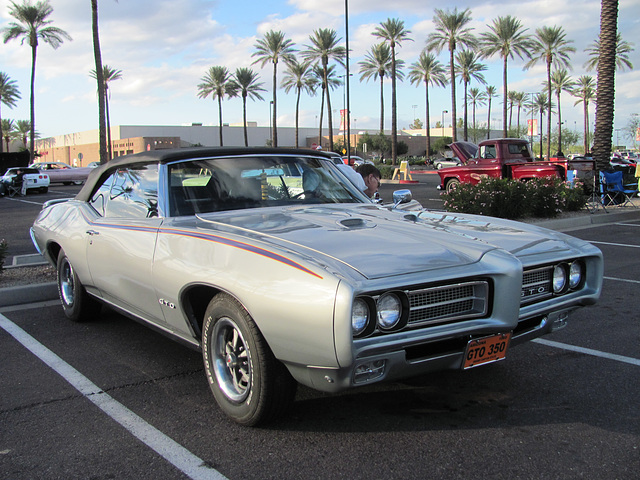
column 486, row 350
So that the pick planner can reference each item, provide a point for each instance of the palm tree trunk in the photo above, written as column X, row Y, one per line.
column 32, row 106
column 452, row 76
column 559, row 125
column 106, row 109
column 549, row 110
column 605, row 96
column 321, row 115
column 329, row 115
column 586, row 127
column 274, row 134
column 428, row 132
column 541, row 116
column 381, row 104
column 465, row 113
column 394, row 109
column 220, row 119
column 504, row 98
column 244, row 120
column 297, row 113
column 101, row 85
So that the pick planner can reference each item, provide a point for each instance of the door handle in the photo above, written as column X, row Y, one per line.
column 92, row 232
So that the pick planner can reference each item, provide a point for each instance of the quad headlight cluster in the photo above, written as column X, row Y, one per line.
column 387, row 312
column 567, row 277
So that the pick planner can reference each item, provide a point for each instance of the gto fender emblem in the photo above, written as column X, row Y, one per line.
column 167, row 303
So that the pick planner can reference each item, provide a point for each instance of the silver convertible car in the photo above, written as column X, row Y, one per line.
column 282, row 272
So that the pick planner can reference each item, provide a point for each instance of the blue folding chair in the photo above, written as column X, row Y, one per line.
column 614, row 191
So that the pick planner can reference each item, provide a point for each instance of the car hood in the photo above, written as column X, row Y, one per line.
column 378, row 242
column 373, row 241
column 464, row 150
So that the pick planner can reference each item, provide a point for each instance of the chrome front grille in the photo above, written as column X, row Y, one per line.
column 447, row 303
column 536, row 284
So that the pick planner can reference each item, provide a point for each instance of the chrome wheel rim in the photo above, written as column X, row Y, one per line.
column 231, row 360
column 67, row 284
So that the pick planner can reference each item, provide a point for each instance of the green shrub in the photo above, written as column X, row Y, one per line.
column 512, row 199
column 386, row 171
column 4, row 246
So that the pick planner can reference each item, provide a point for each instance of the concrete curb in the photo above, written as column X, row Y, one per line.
column 41, row 292
column 22, row 294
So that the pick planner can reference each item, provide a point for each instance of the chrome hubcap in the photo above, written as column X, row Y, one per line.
column 66, row 284
column 231, row 360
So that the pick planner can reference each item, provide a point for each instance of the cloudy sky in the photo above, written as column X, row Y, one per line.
column 165, row 47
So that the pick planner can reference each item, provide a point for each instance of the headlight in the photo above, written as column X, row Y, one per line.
column 359, row 316
column 389, row 311
column 575, row 274
column 559, row 278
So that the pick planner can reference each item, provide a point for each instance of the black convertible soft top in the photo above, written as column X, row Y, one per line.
column 176, row 154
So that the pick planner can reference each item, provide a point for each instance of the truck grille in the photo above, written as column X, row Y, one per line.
column 447, row 303
column 536, row 284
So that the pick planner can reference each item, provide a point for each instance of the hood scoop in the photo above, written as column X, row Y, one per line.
column 355, row 223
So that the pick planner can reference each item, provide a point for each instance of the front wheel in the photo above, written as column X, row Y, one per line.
column 451, row 185
column 76, row 302
column 249, row 384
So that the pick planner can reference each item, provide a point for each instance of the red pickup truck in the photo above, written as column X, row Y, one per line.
column 497, row 158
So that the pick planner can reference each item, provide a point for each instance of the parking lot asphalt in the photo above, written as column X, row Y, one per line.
column 113, row 399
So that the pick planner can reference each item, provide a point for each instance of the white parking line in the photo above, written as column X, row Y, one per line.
column 621, row 279
column 588, row 351
column 25, row 201
column 181, row 458
column 615, row 244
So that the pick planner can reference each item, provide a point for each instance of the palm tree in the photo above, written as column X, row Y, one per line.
column 605, row 92
column 273, row 47
column 451, row 32
column 9, row 94
column 519, row 100
column 585, row 92
column 7, row 127
column 560, row 82
column 245, row 83
column 507, row 38
column 468, row 67
column 550, row 46
column 108, row 75
column 477, row 97
column 377, row 64
column 33, row 24
column 539, row 105
column 217, row 83
column 23, row 127
column 490, row 90
column 299, row 76
column 333, row 82
column 393, row 32
column 623, row 49
column 324, row 48
column 430, row 71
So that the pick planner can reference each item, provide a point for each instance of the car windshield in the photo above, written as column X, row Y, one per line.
column 231, row 183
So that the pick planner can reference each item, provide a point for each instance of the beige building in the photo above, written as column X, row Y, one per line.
column 82, row 148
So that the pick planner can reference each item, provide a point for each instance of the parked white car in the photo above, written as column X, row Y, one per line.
column 33, row 178
column 60, row 172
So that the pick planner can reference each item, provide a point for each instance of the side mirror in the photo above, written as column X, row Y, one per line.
column 401, row 196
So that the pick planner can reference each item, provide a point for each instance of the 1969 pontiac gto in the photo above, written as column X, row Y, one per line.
column 282, row 272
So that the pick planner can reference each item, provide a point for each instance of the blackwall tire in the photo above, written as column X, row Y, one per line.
column 78, row 306
column 249, row 384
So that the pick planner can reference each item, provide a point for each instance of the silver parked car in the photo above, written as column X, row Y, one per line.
column 60, row 172
column 281, row 271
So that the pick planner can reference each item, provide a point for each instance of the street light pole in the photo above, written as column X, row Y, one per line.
column 443, row 112
column 348, row 115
